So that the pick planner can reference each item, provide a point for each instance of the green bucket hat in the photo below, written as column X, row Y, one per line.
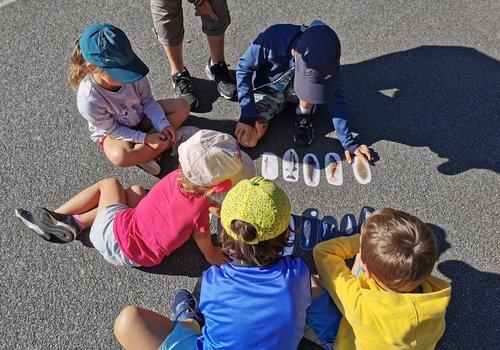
column 258, row 202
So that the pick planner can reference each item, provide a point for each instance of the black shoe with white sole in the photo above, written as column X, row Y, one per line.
column 219, row 73
column 49, row 224
column 303, row 133
column 183, row 87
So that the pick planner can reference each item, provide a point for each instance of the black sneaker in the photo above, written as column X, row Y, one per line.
column 49, row 224
column 185, row 306
column 183, row 87
column 226, row 84
column 303, row 133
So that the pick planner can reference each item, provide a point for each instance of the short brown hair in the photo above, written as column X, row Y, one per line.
column 262, row 253
column 398, row 249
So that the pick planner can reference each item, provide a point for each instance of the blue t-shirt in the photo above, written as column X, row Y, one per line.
column 255, row 307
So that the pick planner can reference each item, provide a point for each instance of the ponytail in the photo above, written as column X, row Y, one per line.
column 246, row 231
column 260, row 254
column 78, row 69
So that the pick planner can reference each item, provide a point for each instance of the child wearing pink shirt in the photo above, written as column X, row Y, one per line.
column 130, row 227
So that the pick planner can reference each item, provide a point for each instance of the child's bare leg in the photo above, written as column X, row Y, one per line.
column 134, row 195
column 176, row 110
column 138, row 328
column 316, row 286
column 93, row 199
column 123, row 154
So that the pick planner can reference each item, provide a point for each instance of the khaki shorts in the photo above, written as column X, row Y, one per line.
column 169, row 22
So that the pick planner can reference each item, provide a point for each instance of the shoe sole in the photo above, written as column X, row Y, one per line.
column 156, row 172
column 212, row 78
column 33, row 227
column 61, row 229
column 193, row 104
column 53, row 227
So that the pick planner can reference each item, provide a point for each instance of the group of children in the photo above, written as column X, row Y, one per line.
column 253, row 297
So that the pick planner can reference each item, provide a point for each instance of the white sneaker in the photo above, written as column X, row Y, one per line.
column 151, row 167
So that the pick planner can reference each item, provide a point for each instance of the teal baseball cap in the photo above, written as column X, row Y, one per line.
column 106, row 46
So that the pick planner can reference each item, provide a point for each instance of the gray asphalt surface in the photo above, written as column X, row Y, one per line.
column 437, row 139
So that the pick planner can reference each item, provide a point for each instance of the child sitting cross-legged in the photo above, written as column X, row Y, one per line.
column 389, row 299
column 134, row 228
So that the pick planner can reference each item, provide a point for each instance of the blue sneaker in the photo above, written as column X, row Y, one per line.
column 185, row 306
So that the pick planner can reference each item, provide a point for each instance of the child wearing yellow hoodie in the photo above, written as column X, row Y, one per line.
column 389, row 300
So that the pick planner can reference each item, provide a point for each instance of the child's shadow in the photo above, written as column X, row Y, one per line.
column 472, row 316
column 184, row 261
column 207, row 94
column 187, row 260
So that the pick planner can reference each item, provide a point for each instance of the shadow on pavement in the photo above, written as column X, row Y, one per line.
column 475, row 300
column 441, row 97
column 444, row 98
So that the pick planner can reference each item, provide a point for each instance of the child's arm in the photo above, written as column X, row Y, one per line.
column 214, row 255
column 101, row 119
column 152, row 109
column 248, row 64
column 337, row 107
column 329, row 257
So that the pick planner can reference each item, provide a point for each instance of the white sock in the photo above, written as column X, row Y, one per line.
column 301, row 110
column 212, row 63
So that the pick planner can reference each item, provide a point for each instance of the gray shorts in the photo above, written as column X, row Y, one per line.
column 103, row 237
column 169, row 22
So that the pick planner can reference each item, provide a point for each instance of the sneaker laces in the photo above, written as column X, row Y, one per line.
column 304, row 123
column 183, row 85
column 221, row 71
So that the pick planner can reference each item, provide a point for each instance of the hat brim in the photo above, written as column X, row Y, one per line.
column 129, row 73
column 247, row 170
column 313, row 92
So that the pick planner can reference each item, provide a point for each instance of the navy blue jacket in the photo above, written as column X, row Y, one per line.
column 265, row 61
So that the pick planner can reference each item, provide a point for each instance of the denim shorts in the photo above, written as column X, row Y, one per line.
column 181, row 338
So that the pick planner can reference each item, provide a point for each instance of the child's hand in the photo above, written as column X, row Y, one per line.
column 242, row 133
column 260, row 129
column 357, row 265
column 214, row 209
column 157, row 140
column 206, row 9
column 216, row 257
column 362, row 152
column 170, row 133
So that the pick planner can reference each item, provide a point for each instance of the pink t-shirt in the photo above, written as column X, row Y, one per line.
column 161, row 223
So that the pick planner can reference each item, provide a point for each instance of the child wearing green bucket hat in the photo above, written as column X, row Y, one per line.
column 114, row 96
column 257, row 301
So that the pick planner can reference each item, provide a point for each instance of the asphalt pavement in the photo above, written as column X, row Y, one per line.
column 422, row 80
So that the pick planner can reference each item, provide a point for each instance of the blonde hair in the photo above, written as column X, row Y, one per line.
column 78, row 69
column 190, row 188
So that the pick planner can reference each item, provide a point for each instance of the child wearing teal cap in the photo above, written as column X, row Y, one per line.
column 114, row 96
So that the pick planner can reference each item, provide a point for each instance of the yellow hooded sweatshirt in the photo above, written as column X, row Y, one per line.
column 374, row 318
